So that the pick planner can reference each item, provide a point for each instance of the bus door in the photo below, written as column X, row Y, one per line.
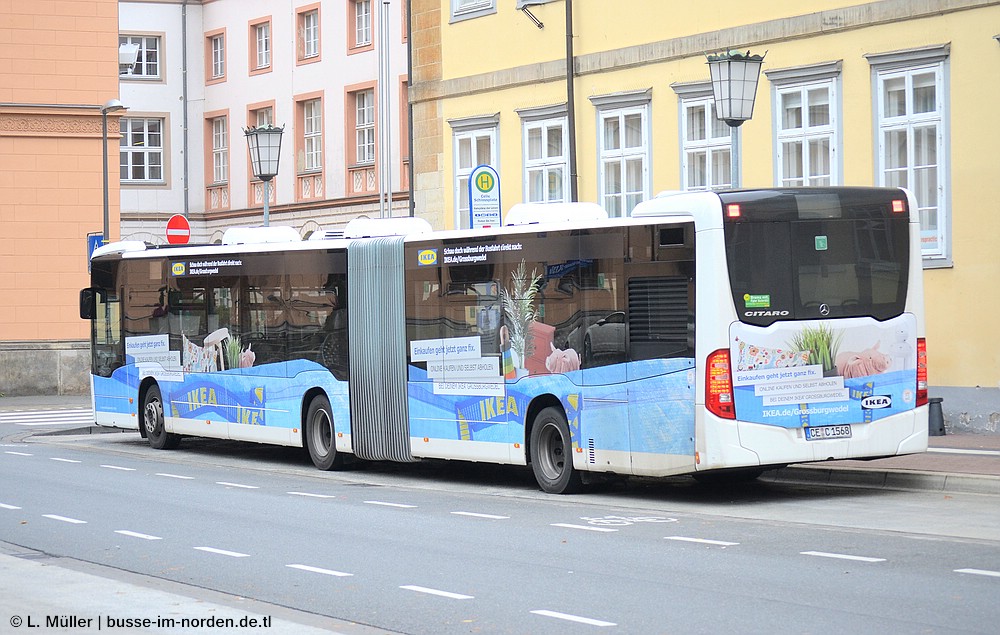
column 660, row 342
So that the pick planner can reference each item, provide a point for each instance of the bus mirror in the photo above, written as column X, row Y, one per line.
column 88, row 308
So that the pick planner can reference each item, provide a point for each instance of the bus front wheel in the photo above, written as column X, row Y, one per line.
column 152, row 419
column 551, row 453
column 320, row 434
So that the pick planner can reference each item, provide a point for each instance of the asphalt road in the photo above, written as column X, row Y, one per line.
column 454, row 548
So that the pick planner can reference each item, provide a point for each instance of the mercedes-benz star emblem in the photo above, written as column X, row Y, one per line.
column 824, row 309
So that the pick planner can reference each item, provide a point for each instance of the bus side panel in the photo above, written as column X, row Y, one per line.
column 111, row 399
column 661, row 416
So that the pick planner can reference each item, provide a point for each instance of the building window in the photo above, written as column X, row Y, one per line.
column 217, row 57
column 312, row 135
column 364, row 126
column 911, row 90
column 466, row 9
column 262, row 117
column 475, row 144
column 623, row 150
column 544, row 145
column 706, row 147
column 309, row 34
column 141, row 150
column 806, row 124
column 261, row 34
column 220, row 150
column 362, row 22
column 147, row 65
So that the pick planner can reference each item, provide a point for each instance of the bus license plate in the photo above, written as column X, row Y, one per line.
column 828, row 432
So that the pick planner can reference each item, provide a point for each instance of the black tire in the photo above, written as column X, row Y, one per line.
column 152, row 419
column 320, row 435
column 552, row 453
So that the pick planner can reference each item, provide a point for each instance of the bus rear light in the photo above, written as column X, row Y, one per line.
column 921, row 371
column 719, row 385
column 733, row 210
column 899, row 206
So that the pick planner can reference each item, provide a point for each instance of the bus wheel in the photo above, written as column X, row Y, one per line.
column 152, row 419
column 551, row 453
column 320, row 435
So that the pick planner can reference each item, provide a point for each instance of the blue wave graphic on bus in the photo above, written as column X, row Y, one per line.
column 210, row 399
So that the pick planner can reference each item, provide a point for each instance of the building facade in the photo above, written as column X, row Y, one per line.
column 888, row 92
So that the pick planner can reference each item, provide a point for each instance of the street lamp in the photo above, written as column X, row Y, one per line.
column 734, row 86
column 111, row 106
column 264, row 143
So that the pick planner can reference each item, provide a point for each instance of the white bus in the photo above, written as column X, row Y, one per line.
column 712, row 334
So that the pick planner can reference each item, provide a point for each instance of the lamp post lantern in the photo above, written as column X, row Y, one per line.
column 111, row 106
column 264, row 143
column 734, row 87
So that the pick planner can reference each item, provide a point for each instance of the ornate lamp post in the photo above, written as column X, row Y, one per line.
column 264, row 143
column 734, row 86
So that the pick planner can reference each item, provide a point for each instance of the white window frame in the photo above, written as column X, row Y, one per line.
column 803, row 80
column 622, row 106
column 905, row 65
column 148, row 57
column 218, row 56
column 715, row 147
column 364, row 126
column 312, row 135
column 264, row 116
column 220, row 150
column 362, row 22
column 262, row 33
column 150, row 145
column 310, row 34
column 469, row 9
column 473, row 130
column 543, row 120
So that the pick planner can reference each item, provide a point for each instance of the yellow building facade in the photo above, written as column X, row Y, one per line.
column 892, row 92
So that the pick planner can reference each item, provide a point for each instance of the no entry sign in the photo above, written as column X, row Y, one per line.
column 178, row 230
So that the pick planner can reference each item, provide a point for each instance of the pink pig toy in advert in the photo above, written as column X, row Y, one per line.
column 562, row 361
column 868, row 362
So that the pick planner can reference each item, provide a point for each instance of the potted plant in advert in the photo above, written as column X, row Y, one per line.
column 518, row 303
column 822, row 344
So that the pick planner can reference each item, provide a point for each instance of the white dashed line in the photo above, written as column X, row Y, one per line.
column 117, row 467
column 305, row 567
column 186, row 478
column 444, row 594
column 3, row 506
column 65, row 520
column 568, row 526
column 475, row 515
column 841, row 556
column 236, row 485
column 126, row 532
column 574, row 618
column 384, row 504
column 55, row 458
column 310, row 495
column 223, row 552
column 702, row 541
column 17, row 453
column 992, row 574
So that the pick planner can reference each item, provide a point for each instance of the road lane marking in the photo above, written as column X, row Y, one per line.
column 841, row 556
column 3, row 506
column 126, row 532
column 223, row 552
column 56, row 458
column 305, row 567
column 992, row 574
column 49, row 417
column 311, row 495
column 384, row 504
column 475, row 515
column 118, row 467
column 574, row 618
column 444, row 594
column 186, row 478
column 703, row 541
column 17, row 453
column 584, row 527
column 236, row 485
column 65, row 519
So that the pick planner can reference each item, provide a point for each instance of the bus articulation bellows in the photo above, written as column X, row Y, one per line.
column 709, row 333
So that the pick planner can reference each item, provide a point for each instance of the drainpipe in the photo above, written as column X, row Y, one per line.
column 409, row 108
column 571, row 102
column 184, row 104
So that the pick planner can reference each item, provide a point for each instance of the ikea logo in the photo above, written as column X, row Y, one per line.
column 178, row 269
column 427, row 257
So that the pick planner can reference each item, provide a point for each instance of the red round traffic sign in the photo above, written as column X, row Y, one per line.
column 178, row 230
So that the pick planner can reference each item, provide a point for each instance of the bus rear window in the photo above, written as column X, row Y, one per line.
column 795, row 258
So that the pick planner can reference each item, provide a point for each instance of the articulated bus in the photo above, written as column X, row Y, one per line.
column 716, row 334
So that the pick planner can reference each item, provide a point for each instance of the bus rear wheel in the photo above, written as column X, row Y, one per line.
column 320, row 434
column 152, row 419
column 551, row 453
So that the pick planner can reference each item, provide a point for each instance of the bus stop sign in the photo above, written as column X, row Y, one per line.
column 178, row 230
